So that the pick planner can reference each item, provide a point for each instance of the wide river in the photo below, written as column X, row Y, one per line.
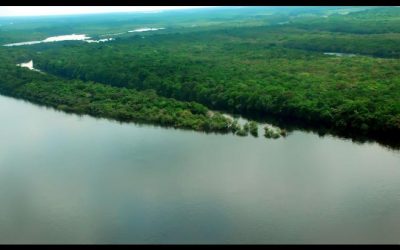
column 71, row 179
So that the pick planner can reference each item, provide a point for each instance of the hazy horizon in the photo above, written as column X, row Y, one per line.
column 26, row 11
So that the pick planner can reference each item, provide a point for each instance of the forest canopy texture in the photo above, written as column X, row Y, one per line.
column 331, row 69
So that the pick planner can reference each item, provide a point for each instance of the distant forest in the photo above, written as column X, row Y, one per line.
column 332, row 69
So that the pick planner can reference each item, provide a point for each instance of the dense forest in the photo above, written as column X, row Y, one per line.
column 281, row 65
column 100, row 100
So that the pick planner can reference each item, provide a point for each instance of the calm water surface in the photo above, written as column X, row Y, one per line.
column 71, row 179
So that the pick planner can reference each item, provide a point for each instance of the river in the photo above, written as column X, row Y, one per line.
column 66, row 178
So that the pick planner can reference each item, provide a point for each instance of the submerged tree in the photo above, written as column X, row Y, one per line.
column 235, row 126
column 242, row 132
column 271, row 133
column 253, row 126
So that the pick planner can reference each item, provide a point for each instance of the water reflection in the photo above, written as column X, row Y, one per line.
column 73, row 37
column 71, row 179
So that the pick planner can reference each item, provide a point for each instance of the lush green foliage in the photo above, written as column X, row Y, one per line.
column 358, row 94
column 276, row 68
column 105, row 101
column 253, row 128
column 271, row 133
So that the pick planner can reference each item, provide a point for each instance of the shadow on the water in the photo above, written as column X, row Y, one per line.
column 391, row 141
column 290, row 125
column 139, row 123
